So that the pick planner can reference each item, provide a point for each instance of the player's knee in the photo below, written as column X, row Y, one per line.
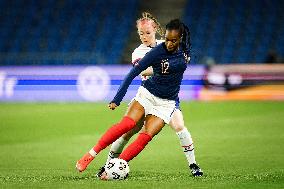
column 127, row 122
column 178, row 127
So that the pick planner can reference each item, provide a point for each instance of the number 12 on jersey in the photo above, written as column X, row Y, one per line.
column 165, row 66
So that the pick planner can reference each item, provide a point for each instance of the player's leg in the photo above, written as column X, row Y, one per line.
column 177, row 124
column 153, row 125
column 118, row 145
column 134, row 113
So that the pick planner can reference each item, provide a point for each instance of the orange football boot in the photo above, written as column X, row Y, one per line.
column 83, row 163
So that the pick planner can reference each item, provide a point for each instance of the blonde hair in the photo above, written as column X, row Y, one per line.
column 146, row 16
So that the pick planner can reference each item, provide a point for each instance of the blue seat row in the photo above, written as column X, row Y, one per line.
column 97, row 26
column 236, row 31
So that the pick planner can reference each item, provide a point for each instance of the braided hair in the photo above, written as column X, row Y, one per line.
column 157, row 25
column 184, row 32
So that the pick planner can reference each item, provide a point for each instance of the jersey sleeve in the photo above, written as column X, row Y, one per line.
column 140, row 65
column 135, row 57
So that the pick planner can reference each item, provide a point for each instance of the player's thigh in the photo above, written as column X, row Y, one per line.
column 153, row 125
column 177, row 122
column 135, row 130
column 135, row 111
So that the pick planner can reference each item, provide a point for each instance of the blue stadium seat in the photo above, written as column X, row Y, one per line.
column 97, row 26
column 236, row 31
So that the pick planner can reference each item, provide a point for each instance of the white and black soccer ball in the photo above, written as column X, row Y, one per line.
column 117, row 169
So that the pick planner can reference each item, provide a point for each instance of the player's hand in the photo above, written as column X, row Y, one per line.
column 112, row 106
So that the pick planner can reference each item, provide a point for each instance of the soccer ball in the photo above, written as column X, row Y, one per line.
column 116, row 169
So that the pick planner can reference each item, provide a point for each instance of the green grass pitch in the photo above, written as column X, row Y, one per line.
column 237, row 144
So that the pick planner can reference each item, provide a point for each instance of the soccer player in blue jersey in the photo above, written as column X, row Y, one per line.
column 147, row 27
column 156, row 97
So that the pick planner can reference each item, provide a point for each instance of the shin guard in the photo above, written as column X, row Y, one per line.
column 136, row 147
column 114, row 133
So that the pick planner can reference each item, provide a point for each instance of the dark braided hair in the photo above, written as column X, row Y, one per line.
column 184, row 32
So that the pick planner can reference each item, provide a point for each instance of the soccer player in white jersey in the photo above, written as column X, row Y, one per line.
column 147, row 27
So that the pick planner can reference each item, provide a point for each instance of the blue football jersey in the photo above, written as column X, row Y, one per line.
column 168, row 70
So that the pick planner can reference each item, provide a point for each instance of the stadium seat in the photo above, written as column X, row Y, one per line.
column 248, row 28
column 64, row 27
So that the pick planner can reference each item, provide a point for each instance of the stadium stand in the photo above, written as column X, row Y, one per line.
column 237, row 31
column 50, row 32
column 71, row 32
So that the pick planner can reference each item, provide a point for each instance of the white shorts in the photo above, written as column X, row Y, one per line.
column 156, row 106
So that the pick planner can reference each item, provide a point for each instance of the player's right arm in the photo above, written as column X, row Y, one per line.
column 141, row 65
column 112, row 105
column 148, row 72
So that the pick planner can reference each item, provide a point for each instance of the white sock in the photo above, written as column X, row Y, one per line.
column 187, row 145
column 116, row 148
column 92, row 152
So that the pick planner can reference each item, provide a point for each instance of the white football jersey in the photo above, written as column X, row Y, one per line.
column 140, row 52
